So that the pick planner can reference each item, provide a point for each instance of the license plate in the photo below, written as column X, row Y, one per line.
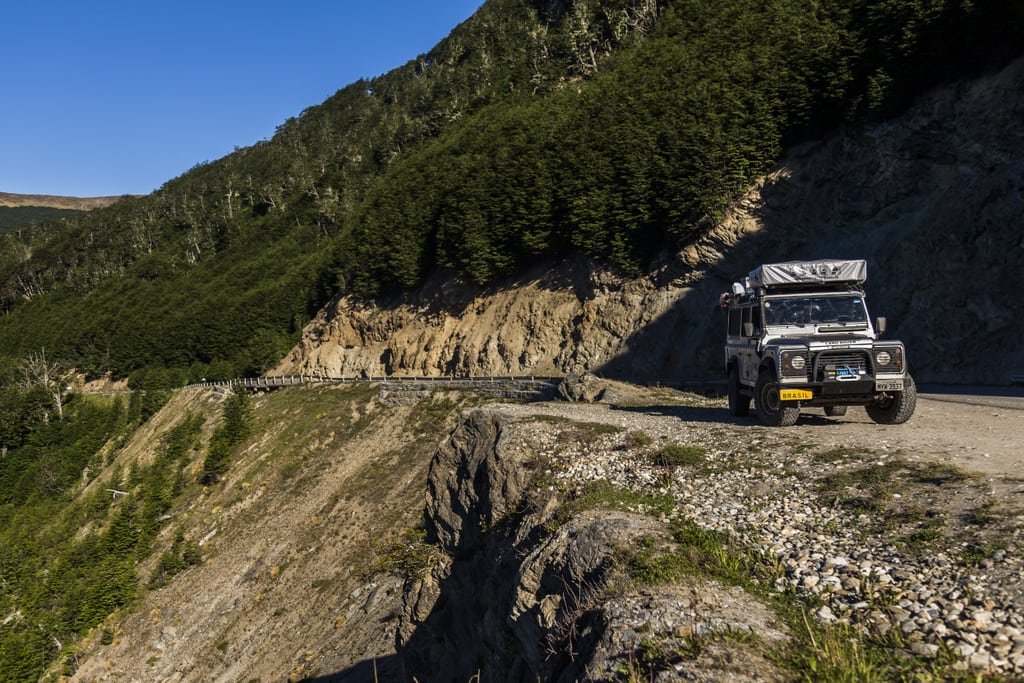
column 891, row 385
column 795, row 395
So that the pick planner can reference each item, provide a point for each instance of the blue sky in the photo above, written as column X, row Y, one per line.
column 108, row 98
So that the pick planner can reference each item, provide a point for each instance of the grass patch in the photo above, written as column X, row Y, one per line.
column 839, row 453
column 925, row 537
column 638, row 439
column 604, row 494
column 409, row 556
column 581, row 430
column 976, row 553
column 678, row 455
column 840, row 653
column 692, row 551
column 869, row 488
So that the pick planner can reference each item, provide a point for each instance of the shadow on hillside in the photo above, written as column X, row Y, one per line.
column 384, row 669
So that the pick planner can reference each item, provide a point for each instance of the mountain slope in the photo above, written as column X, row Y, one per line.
column 537, row 130
column 283, row 580
column 931, row 198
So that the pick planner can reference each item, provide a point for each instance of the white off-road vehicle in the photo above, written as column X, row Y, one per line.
column 799, row 335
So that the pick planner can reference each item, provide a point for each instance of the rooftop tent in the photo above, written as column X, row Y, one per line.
column 823, row 272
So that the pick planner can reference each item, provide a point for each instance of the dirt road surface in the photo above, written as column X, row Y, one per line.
column 971, row 428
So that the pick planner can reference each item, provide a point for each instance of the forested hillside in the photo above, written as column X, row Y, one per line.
column 538, row 128
column 13, row 218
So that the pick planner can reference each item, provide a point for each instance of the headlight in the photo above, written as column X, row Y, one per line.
column 889, row 359
column 793, row 363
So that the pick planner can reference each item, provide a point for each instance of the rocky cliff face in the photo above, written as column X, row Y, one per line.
column 528, row 590
column 932, row 199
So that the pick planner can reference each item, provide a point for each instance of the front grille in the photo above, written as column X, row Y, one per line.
column 833, row 365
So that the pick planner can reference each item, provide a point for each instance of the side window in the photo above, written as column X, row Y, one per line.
column 746, row 315
column 734, row 322
column 755, row 317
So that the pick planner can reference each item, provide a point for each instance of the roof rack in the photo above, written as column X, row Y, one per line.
column 804, row 274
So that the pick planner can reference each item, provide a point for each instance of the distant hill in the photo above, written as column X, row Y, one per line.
column 8, row 199
column 15, row 217
column 24, row 210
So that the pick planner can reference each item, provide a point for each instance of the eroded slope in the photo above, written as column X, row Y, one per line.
column 286, row 586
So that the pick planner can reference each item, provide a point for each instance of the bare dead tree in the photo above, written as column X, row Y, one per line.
column 37, row 371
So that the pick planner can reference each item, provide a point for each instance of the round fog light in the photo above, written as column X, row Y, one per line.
column 883, row 358
column 798, row 362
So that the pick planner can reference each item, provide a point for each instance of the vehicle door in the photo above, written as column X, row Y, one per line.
column 747, row 349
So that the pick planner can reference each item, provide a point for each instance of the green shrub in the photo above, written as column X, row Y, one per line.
column 638, row 439
column 677, row 455
column 234, row 429
column 409, row 556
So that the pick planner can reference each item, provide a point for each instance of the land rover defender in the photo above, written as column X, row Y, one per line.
column 798, row 335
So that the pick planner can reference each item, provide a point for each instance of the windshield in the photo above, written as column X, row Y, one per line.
column 815, row 310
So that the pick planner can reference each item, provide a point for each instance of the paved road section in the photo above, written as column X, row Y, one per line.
column 1010, row 398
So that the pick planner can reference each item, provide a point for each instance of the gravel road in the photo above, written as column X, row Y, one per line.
column 914, row 529
column 981, row 433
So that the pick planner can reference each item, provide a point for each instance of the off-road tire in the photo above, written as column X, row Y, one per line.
column 739, row 404
column 835, row 411
column 897, row 408
column 770, row 409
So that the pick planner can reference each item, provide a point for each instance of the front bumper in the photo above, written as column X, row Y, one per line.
column 837, row 392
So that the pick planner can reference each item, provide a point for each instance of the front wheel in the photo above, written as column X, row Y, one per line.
column 771, row 409
column 739, row 404
column 894, row 408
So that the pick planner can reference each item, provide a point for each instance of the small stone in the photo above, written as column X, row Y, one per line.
column 925, row 649
column 1001, row 649
column 1010, row 632
column 837, row 561
column 899, row 614
column 825, row 614
column 981, row 660
column 982, row 618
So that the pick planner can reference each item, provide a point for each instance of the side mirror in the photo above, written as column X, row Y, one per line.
column 748, row 329
column 880, row 325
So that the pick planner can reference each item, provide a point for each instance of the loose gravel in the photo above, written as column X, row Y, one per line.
column 931, row 555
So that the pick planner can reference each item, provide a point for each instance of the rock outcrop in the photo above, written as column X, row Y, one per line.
column 527, row 592
column 932, row 199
